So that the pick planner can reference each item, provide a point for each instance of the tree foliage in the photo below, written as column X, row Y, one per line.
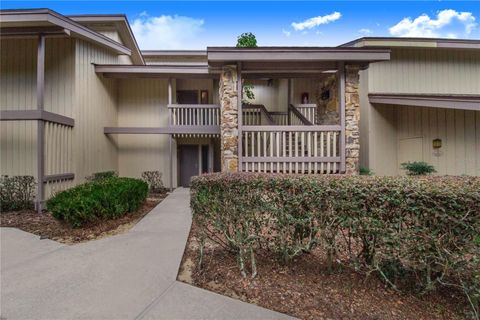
column 246, row 40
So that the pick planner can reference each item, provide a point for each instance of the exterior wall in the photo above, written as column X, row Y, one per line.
column 390, row 135
column 274, row 97
column 73, row 89
column 143, row 103
column 18, row 92
column 427, row 71
column 95, row 108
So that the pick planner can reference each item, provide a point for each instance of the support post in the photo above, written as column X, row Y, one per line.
column 170, row 137
column 40, row 123
column 341, row 101
column 210, row 156
column 352, row 119
column 229, row 117
column 239, row 114
column 289, row 101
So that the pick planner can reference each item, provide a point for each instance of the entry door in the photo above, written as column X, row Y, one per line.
column 187, row 96
column 188, row 164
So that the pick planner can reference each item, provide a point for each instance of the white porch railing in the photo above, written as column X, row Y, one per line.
column 194, row 115
column 291, row 149
column 309, row 111
column 279, row 118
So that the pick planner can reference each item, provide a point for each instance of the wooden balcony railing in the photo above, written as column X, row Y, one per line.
column 195, row 115
column 256, row 114
column 309, row 111
column 291, row 149
column 279, row 118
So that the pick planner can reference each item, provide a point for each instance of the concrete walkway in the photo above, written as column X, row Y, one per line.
column 128, row 276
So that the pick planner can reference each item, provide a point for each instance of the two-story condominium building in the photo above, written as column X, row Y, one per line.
column 78, row 96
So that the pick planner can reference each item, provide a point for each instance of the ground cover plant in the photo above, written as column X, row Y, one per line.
column 100, row 199
column 419, row 233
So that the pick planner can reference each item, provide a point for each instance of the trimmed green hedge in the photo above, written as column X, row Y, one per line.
column 100, row 199
column 426, row 229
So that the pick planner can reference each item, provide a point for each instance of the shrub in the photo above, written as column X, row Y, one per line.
column 101, row 175
column 17, row 193
column 100, row 199
column 423, row 230
column 418, row 168
column 154, row 180
column 364, row 171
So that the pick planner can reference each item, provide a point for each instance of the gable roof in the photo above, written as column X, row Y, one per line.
column 41, row 18
column 120, row 23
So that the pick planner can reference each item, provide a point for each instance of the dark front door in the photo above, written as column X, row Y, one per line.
column 188, row 164
column 187, row 97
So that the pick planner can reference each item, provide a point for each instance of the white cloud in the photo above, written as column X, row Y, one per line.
column 286, row 33
column 424, row 26
column 166, row 32
column 365, row 31
column 316, row 21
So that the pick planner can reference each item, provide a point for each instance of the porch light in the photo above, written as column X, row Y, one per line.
column 437, row 143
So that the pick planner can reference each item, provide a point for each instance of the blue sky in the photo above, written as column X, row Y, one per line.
column 197, row 24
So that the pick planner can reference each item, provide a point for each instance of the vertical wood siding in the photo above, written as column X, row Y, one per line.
column 143, row 103
column 458, row 130
column 404, row 133
column 427, row 71
column 18, row 92
column 95, row 108
column 72, row 89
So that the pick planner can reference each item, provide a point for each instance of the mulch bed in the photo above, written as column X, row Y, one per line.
column 47, row 227
column 306, row 289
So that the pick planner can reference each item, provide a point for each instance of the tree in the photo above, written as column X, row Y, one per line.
column 246, row 40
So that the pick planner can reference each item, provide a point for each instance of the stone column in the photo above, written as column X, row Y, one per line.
column 229, row 119
column 352, row 119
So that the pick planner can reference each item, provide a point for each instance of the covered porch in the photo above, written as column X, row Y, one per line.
column 303, row 119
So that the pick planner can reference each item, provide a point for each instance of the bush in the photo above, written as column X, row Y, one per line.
column 102, row 175
column 364, row 171
column 100, row 199
column 423, row 230
column 418, row 168
column 17, row 193
column 154, row 181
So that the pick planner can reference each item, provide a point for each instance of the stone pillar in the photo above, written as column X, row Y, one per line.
column 352, row 119
column 229, row 119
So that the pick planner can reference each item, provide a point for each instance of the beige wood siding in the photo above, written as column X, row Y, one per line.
column 95, row 108
column 402, row 133
column 439, row 71
column 18, row 92
column 72, row 89
column 143, row 103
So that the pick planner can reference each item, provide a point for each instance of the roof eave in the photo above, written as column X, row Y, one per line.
column 38, row 16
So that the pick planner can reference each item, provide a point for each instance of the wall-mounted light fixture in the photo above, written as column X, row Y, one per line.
column 437, row 143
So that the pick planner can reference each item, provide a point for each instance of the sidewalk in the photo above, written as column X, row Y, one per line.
column 128, row 276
